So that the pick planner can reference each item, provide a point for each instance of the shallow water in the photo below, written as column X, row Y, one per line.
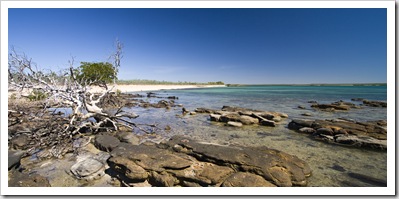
column 331, row 164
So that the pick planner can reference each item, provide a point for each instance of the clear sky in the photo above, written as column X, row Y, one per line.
column 248, row 46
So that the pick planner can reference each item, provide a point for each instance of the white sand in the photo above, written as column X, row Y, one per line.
column 126, row 88
column 137, row 88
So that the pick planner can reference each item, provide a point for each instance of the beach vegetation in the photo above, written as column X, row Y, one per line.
column 94, row 73
column 216, row 83
column 37, row 95
column 118, row 92
column 13, row 96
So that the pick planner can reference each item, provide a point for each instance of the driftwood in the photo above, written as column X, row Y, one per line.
column 66, row 91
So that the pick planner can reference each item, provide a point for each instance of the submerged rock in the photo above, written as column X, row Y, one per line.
column 368, row 179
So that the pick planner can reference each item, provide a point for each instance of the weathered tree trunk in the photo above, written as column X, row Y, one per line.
column 69, row 92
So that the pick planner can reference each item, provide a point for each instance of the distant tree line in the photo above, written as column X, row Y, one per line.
column 156, row 82
column 216, row 83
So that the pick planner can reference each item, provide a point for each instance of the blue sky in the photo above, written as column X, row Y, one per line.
column 249, row 46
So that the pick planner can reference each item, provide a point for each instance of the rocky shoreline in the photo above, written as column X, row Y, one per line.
column 121, row 158
column 371, row 134
column 180, row 161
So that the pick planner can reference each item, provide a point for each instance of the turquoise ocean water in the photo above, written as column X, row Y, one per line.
column 332, row 165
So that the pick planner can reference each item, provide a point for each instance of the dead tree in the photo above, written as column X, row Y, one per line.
column 69, row 92
column 117, row 56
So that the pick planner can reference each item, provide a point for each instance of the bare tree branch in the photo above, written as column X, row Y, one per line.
column 117, row 56
column 68, row 92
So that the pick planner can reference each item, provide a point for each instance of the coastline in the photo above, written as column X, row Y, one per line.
column 138, row 88
column 171, row 121
column 124, row 88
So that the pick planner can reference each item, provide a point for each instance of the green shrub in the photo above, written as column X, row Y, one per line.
column 13, row 96
column 118, row 92
column 96, row 72
column 37, row 95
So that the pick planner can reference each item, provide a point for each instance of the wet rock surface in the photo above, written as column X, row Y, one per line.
column 185, row 162
column 346, row 106
column 237, row 116
column 372, row 134
column 372, row 103
column 19, row 179
column 180, row 161
column 335, row 106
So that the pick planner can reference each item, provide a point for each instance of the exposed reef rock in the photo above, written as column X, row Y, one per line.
column 185, row 162
column 371, row 102
column 371, row 134
column 237, row 116
column 335, row 106
column 345, row 106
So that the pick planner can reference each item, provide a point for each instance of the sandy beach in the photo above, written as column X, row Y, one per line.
column 127, row 88
column 136, row 88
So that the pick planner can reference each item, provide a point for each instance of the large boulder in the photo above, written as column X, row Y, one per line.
column 106, row 142
column 128, row 137
column 19, row 142
column 88, row 169
column 230, row 116
column 214, row 117
column 246, row 120
column 162, row 179
column 128, row 168
column 267, row 122
column 204, row 110
column 234, row 124
column 244, row 179
column 150, row 157
column 203, row 173
column 14, row 158
column 89, row 166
